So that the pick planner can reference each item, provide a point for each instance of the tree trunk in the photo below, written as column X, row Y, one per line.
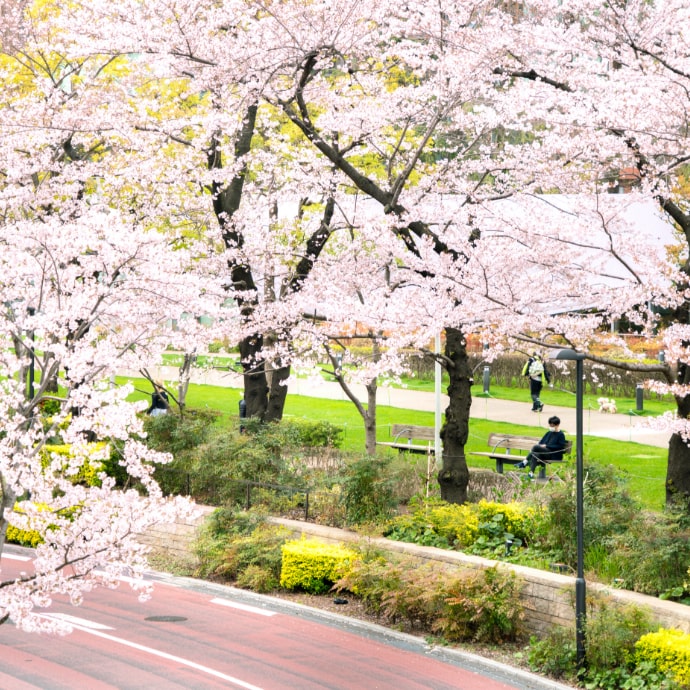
column 454, row 475
column 678, row 467
column 277, row 392
column 255, row 386
column 185, row 377
column 370, row 417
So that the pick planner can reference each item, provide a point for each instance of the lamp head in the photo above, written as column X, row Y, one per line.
column 567, row 354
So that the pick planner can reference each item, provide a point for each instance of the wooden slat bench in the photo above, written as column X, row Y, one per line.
column 404, row 435
column 502, row 445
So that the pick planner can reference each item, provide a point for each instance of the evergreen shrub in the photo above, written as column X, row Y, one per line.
column 669, row 651
column 437, row 523
column 23, row 537
column 313, row 566
column 86, row 473
column 482, row 606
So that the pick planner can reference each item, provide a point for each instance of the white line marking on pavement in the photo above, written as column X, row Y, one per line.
column 243, row 607
column 80, row 622
column 15, row 557
column 169, row 657
column 120, row 578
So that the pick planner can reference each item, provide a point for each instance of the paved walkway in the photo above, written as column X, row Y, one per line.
column 621, row 427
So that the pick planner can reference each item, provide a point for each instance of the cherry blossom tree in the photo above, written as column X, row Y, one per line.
column 193, row 106
column 615, row 77
column 215, row 114
column 394, row 98
column 455, row 126
column 400, row 104
column 88, row 286
column 81, row 299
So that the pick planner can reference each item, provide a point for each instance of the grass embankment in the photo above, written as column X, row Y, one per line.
column 643, row 466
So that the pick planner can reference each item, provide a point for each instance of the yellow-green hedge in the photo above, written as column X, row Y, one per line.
column 88, row 472
column 669, row 651
column 23, row 537
column 312, row 565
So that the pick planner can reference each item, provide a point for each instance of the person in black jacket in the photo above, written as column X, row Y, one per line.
column 551, row 447
column 159, row 401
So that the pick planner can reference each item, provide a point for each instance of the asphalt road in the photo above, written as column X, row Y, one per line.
column 194, row 634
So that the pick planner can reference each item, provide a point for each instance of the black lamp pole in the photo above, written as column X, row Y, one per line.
column 32, row 356
column 580, row 587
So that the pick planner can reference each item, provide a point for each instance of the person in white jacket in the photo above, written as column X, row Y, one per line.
column 537, row 373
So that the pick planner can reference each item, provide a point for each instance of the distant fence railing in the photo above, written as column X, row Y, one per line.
column 179, row 483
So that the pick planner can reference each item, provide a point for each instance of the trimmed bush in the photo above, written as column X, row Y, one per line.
column 23, row 537
column 669, row 651
column 86, row 474
column 312, row 565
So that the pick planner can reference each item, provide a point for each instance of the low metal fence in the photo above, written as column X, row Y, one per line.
column 179, row 483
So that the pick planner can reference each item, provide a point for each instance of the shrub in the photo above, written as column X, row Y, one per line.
column 416, row 528
column 312, row 565
column 610, row 511
column 85, row 473
column 554, row 655
column 327, row 506
column 260, row 549
column 180, row 434
column 23, row 537
column 481, row 606
column 318, row 434
column 611, row 634
column 234, row 542
column 516, row 518
column 367, row 492
column 372, row 579
column 258, row 579
column 483, row 526
column 459, row 524
column 668, row 651
column 654, row 553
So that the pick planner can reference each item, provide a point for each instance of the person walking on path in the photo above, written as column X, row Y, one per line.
column 537, row 373
column 551, row 447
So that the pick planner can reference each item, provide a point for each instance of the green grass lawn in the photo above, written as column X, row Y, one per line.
column 643, row 466
column 653, row 404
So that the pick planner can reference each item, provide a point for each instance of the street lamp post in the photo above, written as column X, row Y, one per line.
column 580, row 588
column 32, row 356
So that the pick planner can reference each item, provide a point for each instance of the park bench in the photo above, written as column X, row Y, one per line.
column 502, row 445
column 404, row 435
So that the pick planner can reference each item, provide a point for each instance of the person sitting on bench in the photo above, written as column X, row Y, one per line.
column 551, row 447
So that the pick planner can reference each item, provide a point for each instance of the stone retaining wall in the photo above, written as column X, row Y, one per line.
column 548, row 598
column 177, row 539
